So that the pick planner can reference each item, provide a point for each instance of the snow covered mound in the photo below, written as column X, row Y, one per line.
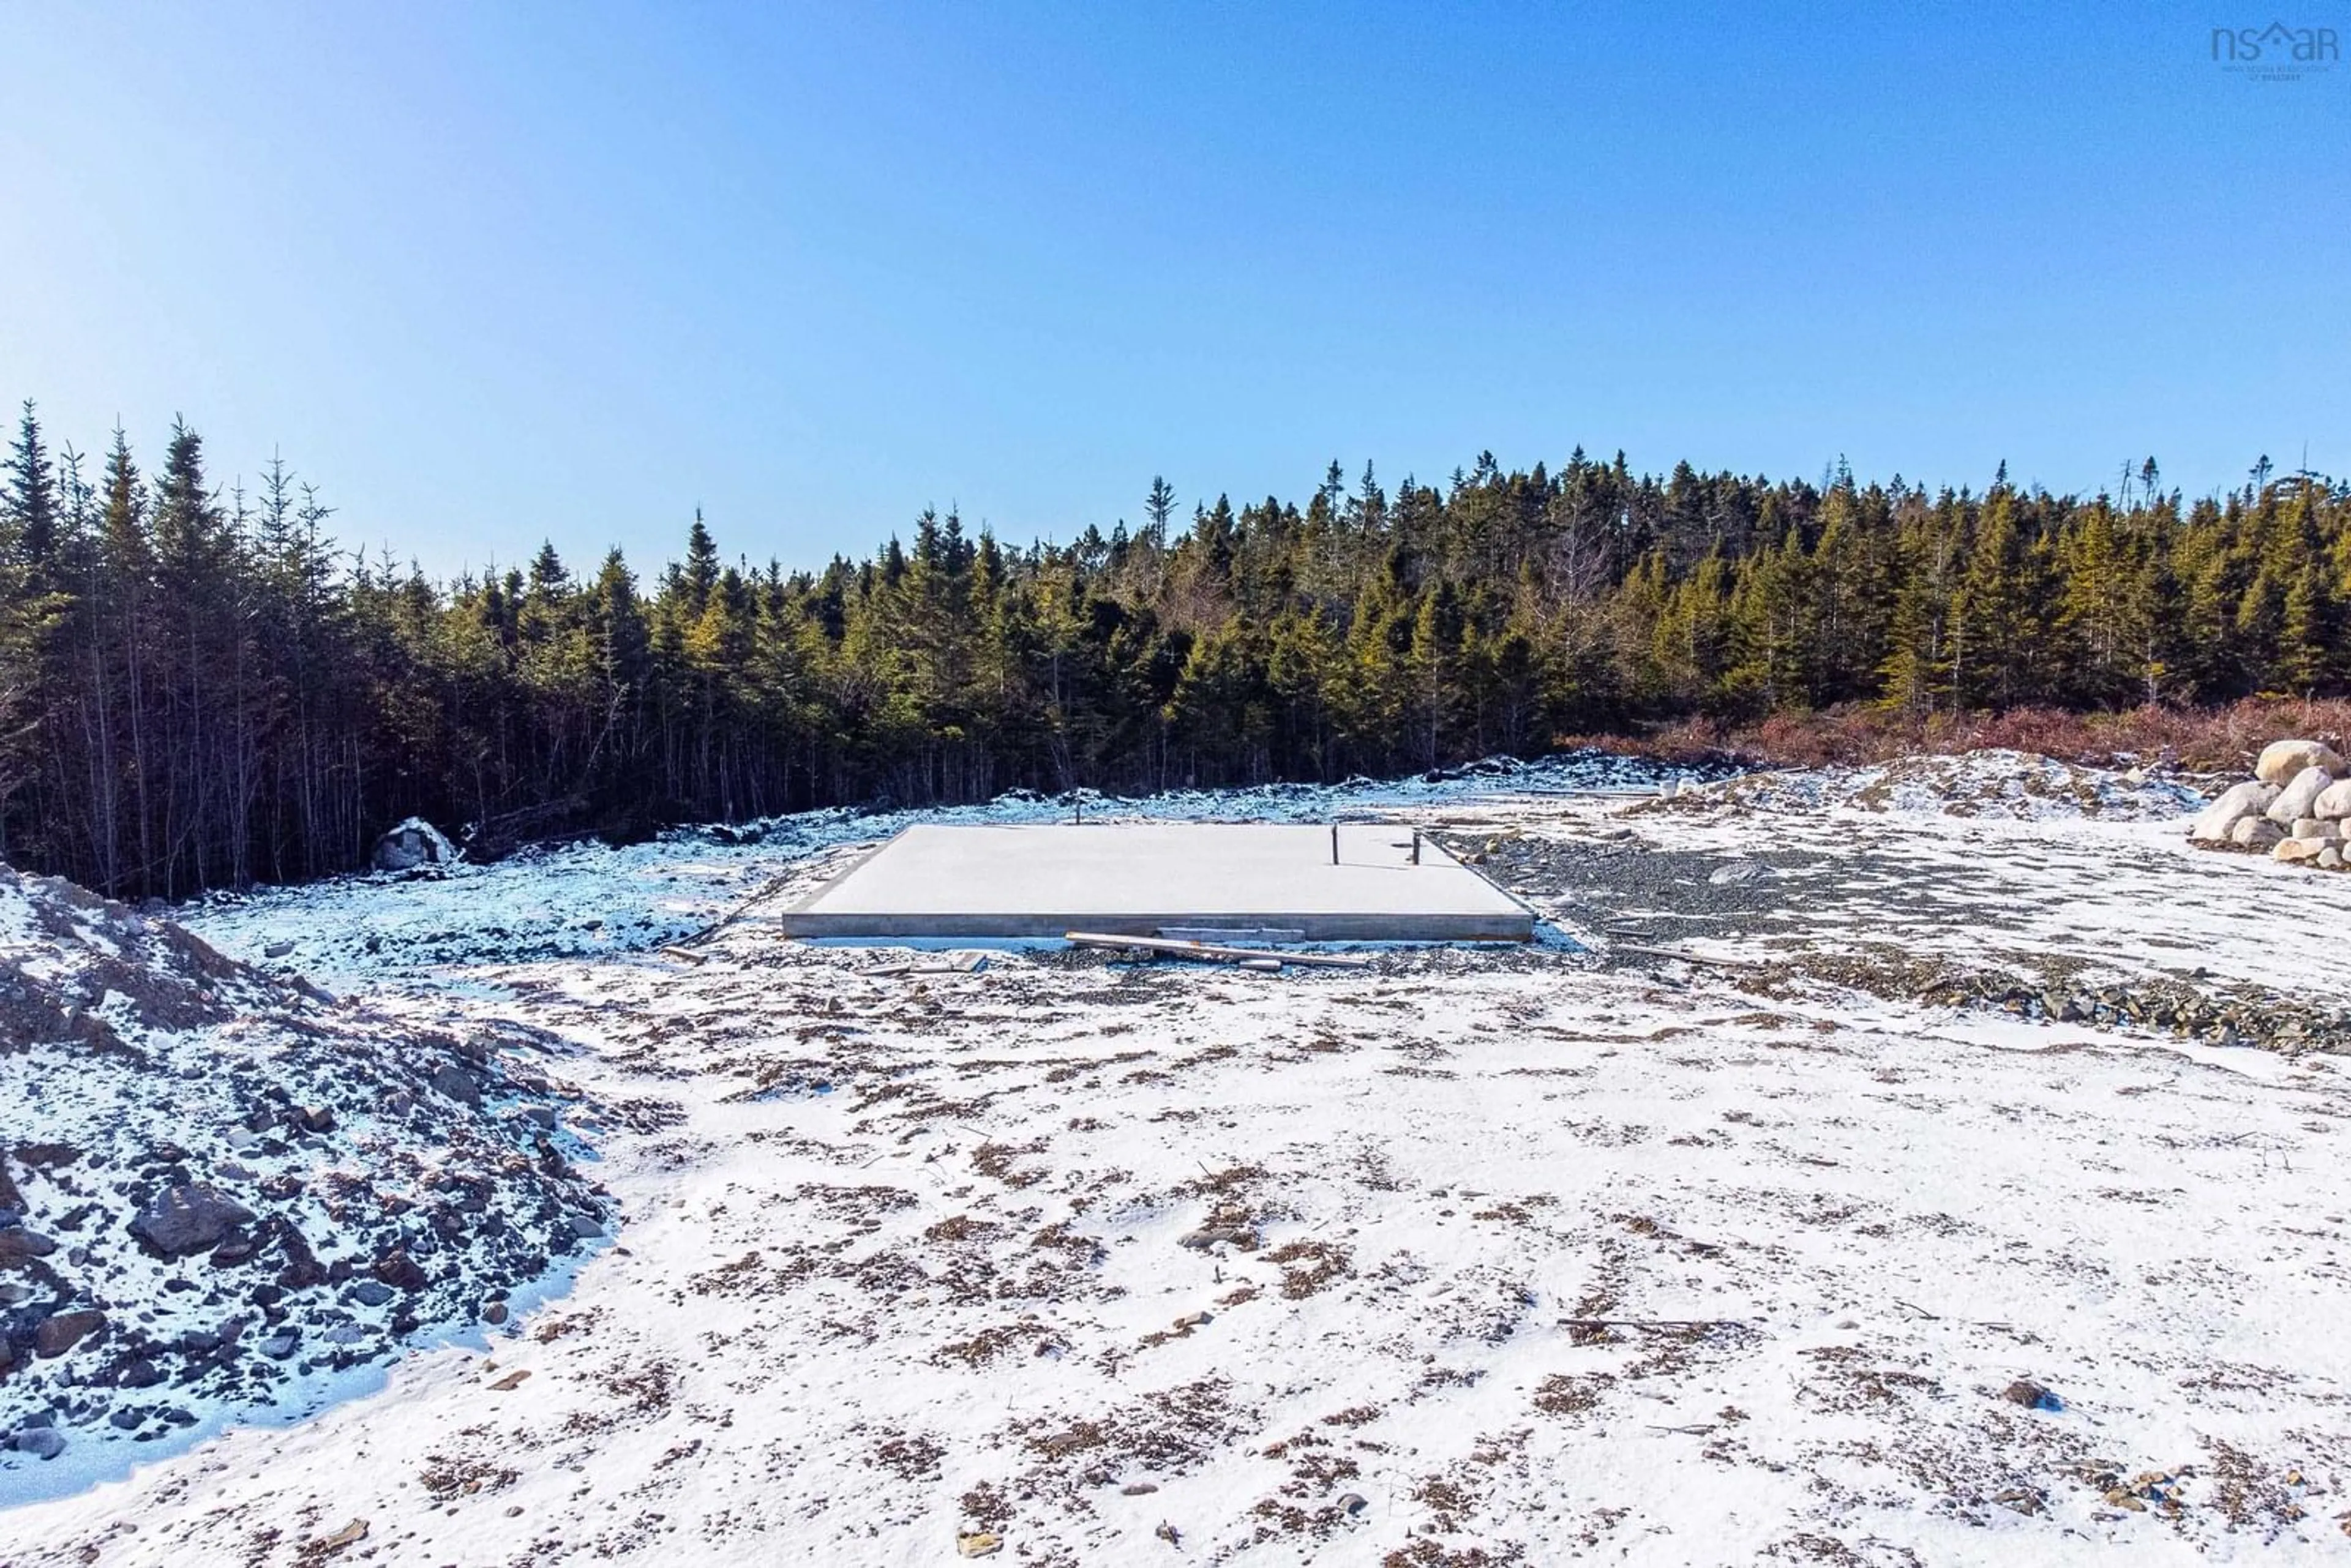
column 1992, row 783
column 221, row 1190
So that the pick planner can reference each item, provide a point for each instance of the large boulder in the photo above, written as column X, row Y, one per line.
column 406, row 845
column 2255, row 833
column 2236, row 803
column 2334, row 802
column 2299, row 797
column 191, row 1218
column 2298, row 849
column 2282, row 759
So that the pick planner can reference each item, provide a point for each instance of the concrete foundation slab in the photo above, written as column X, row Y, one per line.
column 1142, row 879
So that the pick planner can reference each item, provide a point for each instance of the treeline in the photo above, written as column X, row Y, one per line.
column 198, row 689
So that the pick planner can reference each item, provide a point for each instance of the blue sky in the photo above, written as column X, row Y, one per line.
column 494, row 273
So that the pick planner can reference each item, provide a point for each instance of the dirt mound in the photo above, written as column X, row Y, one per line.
column 219, row 1187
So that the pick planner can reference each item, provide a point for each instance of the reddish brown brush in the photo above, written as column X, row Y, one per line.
column 2204, row 740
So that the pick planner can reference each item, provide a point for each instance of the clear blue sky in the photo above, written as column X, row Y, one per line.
column 491, row 273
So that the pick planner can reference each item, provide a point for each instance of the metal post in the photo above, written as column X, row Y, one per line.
column 1415, row 846
column 1335, row 843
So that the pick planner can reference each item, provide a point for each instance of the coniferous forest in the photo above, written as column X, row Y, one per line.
column 199, row 689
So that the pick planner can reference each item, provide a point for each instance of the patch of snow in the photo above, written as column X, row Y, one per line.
column 1474, row 1256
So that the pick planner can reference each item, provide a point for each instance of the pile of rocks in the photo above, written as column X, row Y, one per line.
column 2294, row 808
column 221, row 1188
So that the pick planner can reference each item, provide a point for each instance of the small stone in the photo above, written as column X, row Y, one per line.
column 452, row 1081
column 316, row 1118
column 277, row 949
column 41, row 1442
column 60, row 1333
column 370, row 1292
column 2331, row 858
column 397, row 1269
column 126, row 1419
column 978, row 1543
column 511, row 1382
column 349, row 1535
column 17, row 1244
column 281, row 1344
column 1138, row 1488
column 2032, row 1395
column 189, row 1218
column 586, row 1226
column 493, row 1311
column 138, row 1373
column 1207, row 1236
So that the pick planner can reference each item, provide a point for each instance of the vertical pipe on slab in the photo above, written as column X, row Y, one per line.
column 1335, row 843
column 1415, row 846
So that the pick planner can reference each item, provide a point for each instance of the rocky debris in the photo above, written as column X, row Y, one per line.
column 404, row 846
column 1988, row 783
column 2284, row 760
column 222, row 1186
column 2293, row 810
column 2243, row 1016
column 190, row 1218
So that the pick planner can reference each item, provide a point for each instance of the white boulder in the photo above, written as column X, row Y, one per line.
column 415, row 842
column 2217, row 820
column 2280, row 760
column 2331, row 858
column 2255, row 833
column 2334, row 802
column 2299, row 796
column 2298, row 849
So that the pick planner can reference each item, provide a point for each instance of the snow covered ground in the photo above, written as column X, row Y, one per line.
column 1529, row 1255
